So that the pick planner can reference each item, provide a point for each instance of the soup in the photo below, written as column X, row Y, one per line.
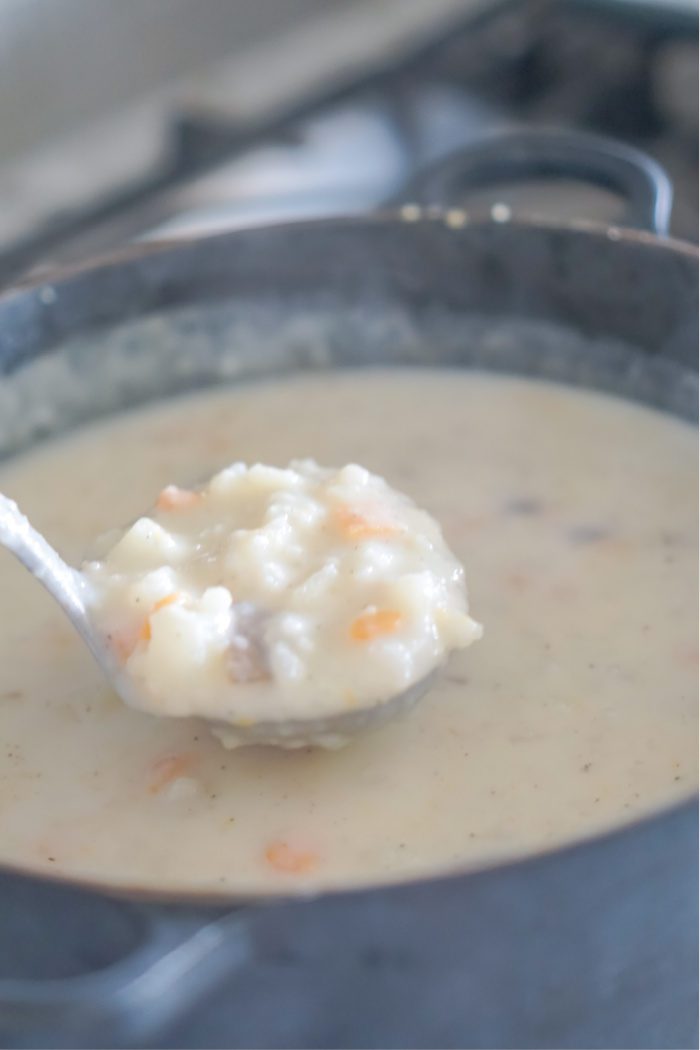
column 270, row 600
column 575, row 517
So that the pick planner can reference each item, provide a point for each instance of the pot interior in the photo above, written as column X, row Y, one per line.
column 162, row 325
column 53, row 385
column 616, row 313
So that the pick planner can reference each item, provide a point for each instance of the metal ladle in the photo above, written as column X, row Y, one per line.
column 69, row 588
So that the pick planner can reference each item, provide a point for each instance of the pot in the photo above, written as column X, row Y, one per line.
column 592, row 945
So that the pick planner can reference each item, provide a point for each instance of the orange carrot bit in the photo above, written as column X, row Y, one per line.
column 167, row 769
column 162, row 602
column 145, row 631
column 283, row 857
column 374, row 624
column 174, row 498
column 354, row 526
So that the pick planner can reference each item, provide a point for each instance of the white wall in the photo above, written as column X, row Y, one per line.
column 65, row 62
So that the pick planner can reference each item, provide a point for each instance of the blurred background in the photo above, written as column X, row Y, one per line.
column 127, row 119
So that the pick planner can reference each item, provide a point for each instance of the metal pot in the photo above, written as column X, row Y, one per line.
column 592, row 945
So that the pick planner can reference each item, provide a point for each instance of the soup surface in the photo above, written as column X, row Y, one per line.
column 575, row 517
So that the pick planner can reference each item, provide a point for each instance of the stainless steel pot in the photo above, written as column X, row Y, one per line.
column 589, row 946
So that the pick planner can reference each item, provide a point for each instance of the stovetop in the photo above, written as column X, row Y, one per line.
column 351, row 144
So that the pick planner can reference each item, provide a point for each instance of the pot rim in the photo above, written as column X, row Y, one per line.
column 416, row 215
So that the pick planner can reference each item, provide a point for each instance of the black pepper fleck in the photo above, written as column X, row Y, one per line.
column 525, row 505
column 584, row 534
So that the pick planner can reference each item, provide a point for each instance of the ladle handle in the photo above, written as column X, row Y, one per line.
column 64, row 583
column 523, row 155
column 36, row 554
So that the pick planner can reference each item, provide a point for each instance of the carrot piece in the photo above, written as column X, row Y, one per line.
column 283, row 857
column 354, row 526
column 145, row 631
column 174, row 498
column 374, row 624
column 167, row 769
column 162, row 602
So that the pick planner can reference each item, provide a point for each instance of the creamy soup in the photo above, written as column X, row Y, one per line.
column 278, row 596
column 575, row 517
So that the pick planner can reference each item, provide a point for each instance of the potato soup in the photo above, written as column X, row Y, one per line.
column 575, row 516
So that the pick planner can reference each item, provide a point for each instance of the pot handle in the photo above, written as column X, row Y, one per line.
column 520, row 156
column 172, row 955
